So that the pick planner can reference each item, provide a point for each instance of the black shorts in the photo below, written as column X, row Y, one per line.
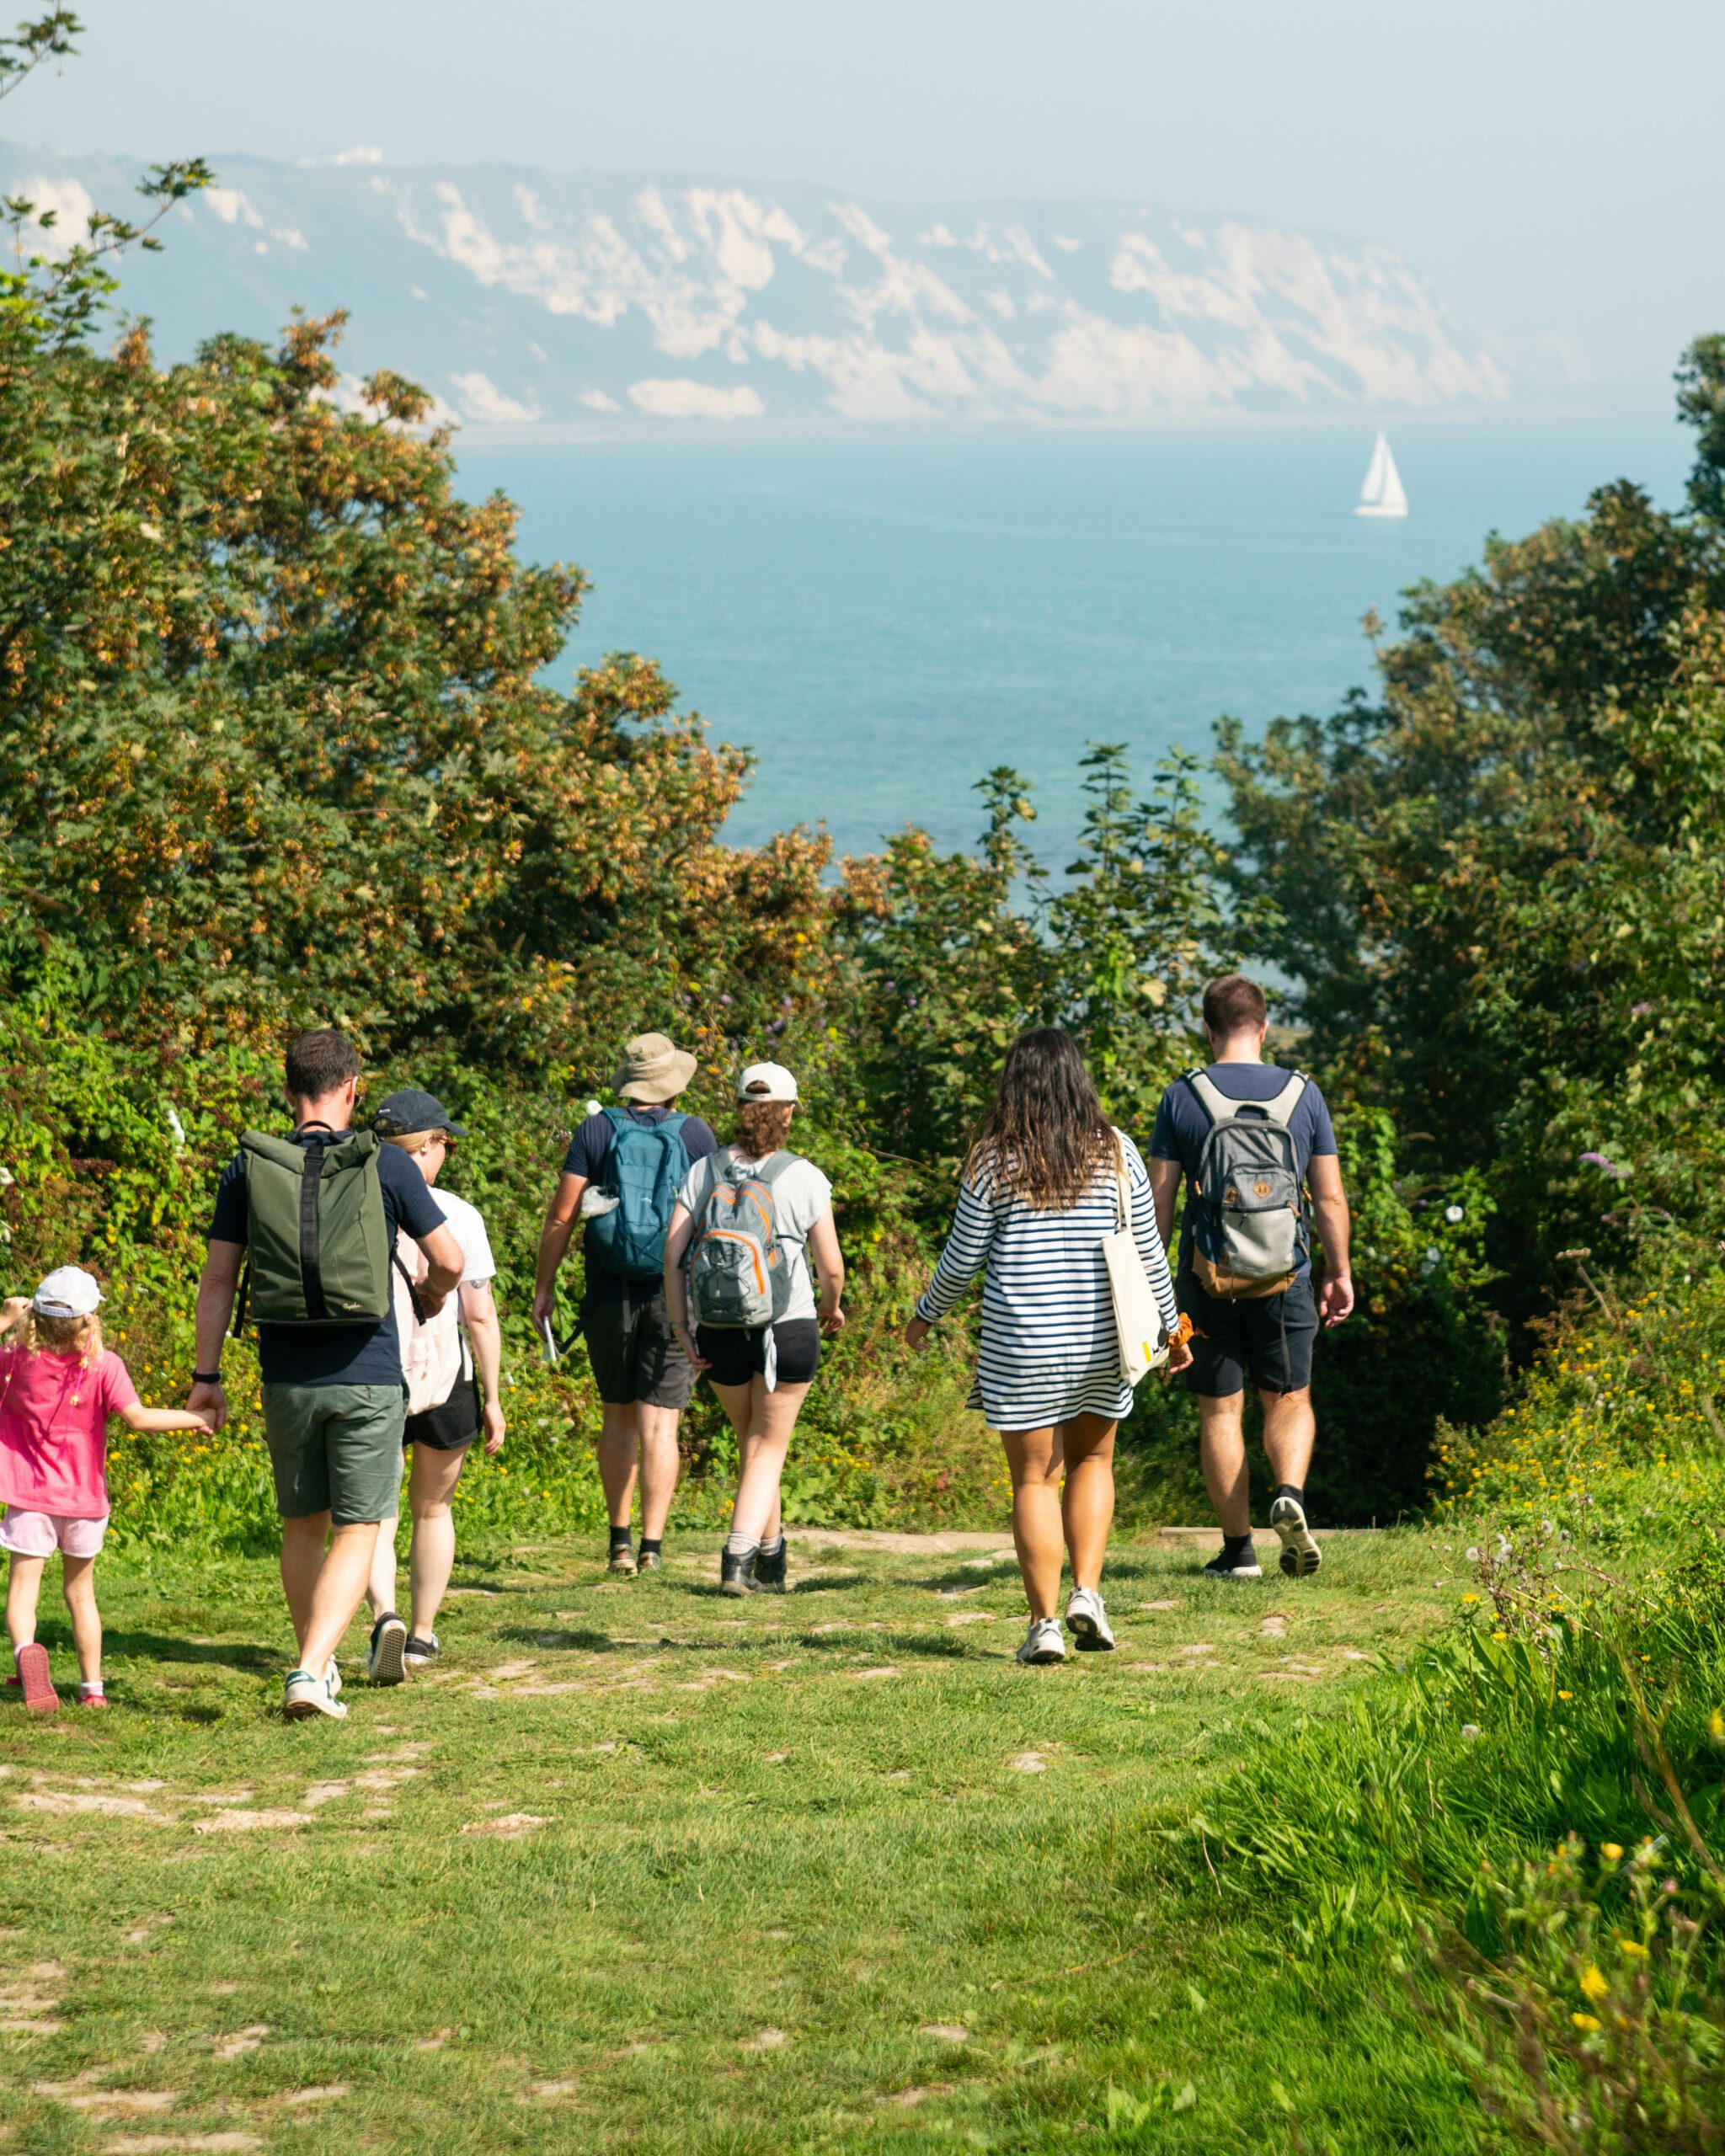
column 634, row 1354
column 737, row 1353
column 1268, row 1339
column 450, row 1427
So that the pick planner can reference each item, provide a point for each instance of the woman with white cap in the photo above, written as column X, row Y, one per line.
column 746, row 1220
column 58, row 1386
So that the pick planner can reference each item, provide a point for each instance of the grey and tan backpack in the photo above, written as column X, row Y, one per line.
column 1249, row 1228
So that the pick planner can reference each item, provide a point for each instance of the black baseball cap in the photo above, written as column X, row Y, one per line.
column 399, row 1115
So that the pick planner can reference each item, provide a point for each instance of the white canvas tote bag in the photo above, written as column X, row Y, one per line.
column 1138, row 1318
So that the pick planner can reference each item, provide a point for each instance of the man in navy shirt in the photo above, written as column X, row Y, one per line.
column 643, row 1378
column 1268, row 1338
column 334, row 1401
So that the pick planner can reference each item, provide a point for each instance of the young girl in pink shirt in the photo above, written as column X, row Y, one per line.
column 58, row 1386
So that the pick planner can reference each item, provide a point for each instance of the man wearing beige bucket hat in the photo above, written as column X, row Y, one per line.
column 621, row 1176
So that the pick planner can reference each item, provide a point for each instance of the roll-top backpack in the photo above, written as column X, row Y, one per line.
column 739, row 1271
column 318, row 1244
column 1249, row 1232
column 643, row 1172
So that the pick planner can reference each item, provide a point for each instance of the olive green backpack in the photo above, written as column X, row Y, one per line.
column 319, row 1249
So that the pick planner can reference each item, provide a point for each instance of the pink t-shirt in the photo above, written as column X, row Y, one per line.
column 54, row 1413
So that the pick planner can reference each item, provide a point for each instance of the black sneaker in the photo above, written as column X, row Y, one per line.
column 1229, row 1565
column 736, row 1575
column 1301, row 1555
column 418, row 1652
column 386, row 1662
column 770, row 1566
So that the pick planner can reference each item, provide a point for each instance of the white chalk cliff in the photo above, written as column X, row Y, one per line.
column 530, row 299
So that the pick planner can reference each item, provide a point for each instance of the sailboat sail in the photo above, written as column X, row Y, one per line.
column 1383, row 493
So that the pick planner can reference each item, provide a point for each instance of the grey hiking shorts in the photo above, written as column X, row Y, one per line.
column 335, row 1448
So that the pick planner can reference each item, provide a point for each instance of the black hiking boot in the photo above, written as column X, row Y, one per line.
column 736, row 1575
column 770, row 1566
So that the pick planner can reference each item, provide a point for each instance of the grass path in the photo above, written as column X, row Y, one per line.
column 641, row 1867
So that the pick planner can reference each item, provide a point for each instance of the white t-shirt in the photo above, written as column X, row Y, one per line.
column 468, row 1229
column 801, row 1196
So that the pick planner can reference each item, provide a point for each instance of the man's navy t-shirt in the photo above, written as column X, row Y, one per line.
column 586, row 1157
column 334, row 1354
column 1182, row 1127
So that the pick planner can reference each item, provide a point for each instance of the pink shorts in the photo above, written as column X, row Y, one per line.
column 39, row 1534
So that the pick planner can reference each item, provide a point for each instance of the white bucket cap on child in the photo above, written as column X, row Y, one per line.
column 767, row 1081
column 68, row 1291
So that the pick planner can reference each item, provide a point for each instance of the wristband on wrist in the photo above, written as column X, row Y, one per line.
column 206, row 1377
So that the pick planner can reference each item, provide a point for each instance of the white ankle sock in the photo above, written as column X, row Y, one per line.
column 740, row 1545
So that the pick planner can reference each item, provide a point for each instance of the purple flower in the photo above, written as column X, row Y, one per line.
column 1639, row 1010
column 724, row 999
column 1615, row 1169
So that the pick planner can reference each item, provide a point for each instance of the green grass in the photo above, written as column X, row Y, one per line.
column 784, row 1846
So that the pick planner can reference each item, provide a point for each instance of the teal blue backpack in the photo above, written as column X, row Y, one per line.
column 643, row 1172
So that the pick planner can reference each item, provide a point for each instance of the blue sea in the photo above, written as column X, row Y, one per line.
column 881, row 618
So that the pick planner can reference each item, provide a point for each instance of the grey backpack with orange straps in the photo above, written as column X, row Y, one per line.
column 1249, row 1230
column 739, row 1273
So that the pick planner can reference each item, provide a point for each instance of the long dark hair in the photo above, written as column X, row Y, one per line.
column 1046, row 1135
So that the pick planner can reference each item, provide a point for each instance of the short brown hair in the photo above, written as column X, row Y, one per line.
column 763, row 1126
column 1232, row 1003
column 318, row 1062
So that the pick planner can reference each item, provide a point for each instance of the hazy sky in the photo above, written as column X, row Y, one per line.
column 1551, row 164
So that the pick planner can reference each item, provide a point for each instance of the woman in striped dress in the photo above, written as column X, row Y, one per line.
column 1040, row 1193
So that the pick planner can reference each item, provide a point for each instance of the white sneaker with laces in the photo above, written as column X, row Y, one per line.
column 1042, row 1641
column 331, row 1677
column 1088, row 1621
column 307, row 1696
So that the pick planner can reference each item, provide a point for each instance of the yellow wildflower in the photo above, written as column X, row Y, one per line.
column 1594, row 1982
column 1584, row 2021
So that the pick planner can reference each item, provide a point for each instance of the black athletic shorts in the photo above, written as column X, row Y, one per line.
column 634, row 1354
column 737, row 1353
column 1268, row 1339
column 450, row 1427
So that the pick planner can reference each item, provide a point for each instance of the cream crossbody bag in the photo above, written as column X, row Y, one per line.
column 1138, row 1318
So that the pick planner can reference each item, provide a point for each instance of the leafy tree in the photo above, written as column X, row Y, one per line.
column 1499, row 888
column 1700, row 401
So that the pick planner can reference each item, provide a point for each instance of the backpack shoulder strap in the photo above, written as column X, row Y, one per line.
column 1281, row 1109
column 1210, row 1097
column 619, row 1119
column 672, row 1125
column 775, row 1166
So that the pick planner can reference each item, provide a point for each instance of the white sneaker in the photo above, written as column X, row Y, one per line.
column 331, row 1677
column 1042, row 1641
column 1091, row 1633
column 307, row 1696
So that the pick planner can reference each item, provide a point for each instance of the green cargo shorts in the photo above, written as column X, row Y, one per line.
column 335, row 1448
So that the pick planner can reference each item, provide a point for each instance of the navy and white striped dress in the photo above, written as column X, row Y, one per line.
column 1049, row 1349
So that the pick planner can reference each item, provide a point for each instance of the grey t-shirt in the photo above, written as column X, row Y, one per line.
column 801, row 1196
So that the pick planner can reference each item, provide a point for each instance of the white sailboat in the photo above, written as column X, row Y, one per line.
column 1383, row 493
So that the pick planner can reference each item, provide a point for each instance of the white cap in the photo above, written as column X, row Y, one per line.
column 767, row 1081
column 68, row 1291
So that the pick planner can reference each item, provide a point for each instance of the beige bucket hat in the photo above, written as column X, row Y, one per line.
column 653, row 1070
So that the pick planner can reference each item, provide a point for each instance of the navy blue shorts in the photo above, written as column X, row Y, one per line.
column 1268, row 1339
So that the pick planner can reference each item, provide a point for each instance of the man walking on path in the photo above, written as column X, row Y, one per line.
column 333, row 1396
column 1249, row 1139
column 634, row 1160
